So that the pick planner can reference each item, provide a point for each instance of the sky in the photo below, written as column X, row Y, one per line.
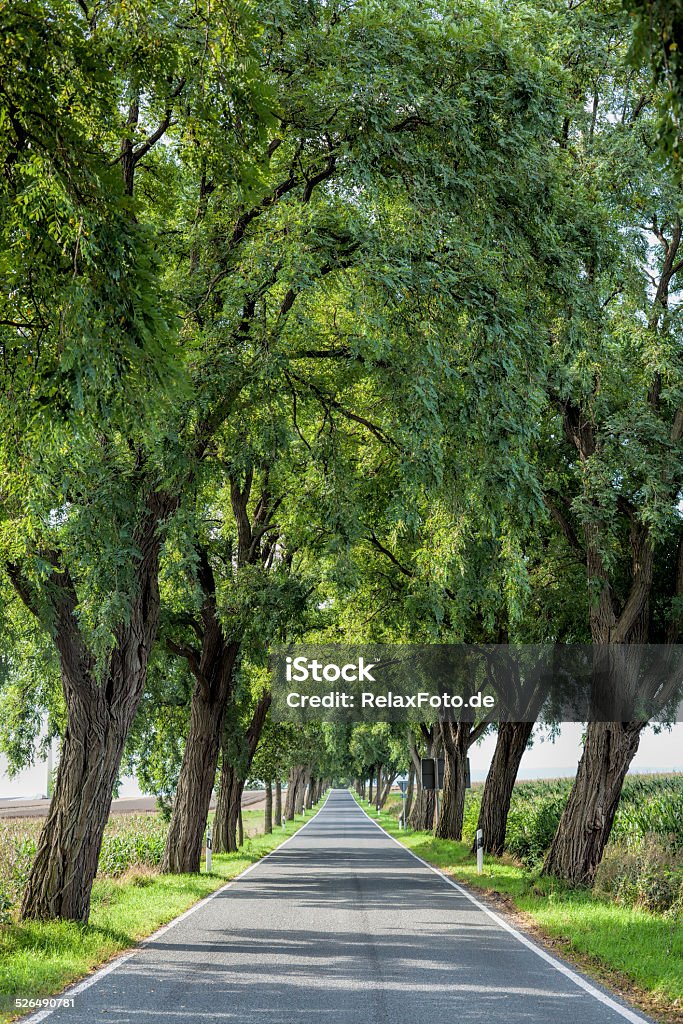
column 545, row 759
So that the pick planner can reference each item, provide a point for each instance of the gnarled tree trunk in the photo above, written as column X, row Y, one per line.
column 212, row 667
column 234, row 772
column 227, row 810
column 424, row 809
column 456, row 739
column 183, row 850
column 301, row 791
column 511, row 743
column 586, row 822
column 278, row 802
column 388, row 783
column 410, row 793
column 268, row 811
column 61, row 877
column 99, row 717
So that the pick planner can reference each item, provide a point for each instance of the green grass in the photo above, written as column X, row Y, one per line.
column 40, row 959
column 618, row 944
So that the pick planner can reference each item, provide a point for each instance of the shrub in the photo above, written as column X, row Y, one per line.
column 649, row 876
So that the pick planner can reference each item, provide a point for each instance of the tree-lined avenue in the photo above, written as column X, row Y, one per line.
column 340, row 924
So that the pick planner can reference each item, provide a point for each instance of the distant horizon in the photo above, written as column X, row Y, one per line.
column 652, row 757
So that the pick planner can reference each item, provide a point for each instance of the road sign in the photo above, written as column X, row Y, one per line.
column 427, row 773
column 403, row 785
column 431, row 772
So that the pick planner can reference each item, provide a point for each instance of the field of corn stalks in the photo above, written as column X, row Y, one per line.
column 650, row 805
column 130, row 840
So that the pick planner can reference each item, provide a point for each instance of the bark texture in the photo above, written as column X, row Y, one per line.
column 495, row 802
column 212, row 667
column 278, row 802
column 456, row 742
column 234, row 772
column 268, row 811
column 100, row 713
column 423, row 812
column 587, row 819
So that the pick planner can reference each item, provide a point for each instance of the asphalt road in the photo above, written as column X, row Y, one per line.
column 339, row 925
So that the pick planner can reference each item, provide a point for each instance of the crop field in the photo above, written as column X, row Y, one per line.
column 131, row 841
column 650, row 805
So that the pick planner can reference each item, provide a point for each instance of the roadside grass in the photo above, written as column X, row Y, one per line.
column 39, row 959
column 638, row 953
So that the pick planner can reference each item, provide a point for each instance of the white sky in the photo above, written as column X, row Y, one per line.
column 545, row 759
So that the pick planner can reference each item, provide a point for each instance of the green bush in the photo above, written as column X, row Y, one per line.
column 649, row 876
column 531, row 825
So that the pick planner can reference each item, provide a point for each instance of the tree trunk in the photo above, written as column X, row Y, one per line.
column 495, row 802
column 424, row 809
column 227, row 810
column 301, row 791
column 234, row 772
column 388, row 783
column 456, row 737
column 61, row 877
column 292, row 783
column 99, row 717
column 586, row 822
column 197, row 777
column 310, row 795
column 370, row 790
column 278, row 802
column 268, row 812
column 410, row 792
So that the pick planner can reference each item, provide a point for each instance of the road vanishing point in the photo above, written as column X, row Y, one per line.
column 341, row 924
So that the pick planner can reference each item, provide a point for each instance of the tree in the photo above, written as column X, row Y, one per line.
column 87, row 508
column 364, row 221
column 611, row 455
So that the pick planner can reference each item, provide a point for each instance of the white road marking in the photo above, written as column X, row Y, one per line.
column 92, row 979
column 602, row 997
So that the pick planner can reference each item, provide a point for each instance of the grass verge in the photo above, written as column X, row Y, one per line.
column 636, row 953
column 40, row 959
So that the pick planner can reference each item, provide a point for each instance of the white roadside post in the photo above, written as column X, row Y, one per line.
column 208, row 848
column 480, row 851
column 403, row 785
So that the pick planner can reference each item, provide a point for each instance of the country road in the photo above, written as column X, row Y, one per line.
column 340, row 925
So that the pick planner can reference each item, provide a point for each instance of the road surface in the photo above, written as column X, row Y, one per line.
column 251, row 798
column 339, row 925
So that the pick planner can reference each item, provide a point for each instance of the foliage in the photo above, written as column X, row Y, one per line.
column 658, row 36
column 646, row 875
column 650, row 806
column 130, row 840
